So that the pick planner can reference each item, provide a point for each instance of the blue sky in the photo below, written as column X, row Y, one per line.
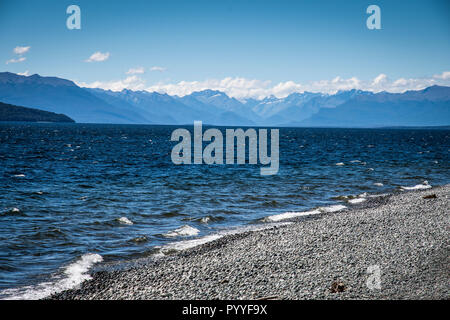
column 201, row 43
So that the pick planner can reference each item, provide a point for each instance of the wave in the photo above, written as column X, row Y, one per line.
column 293, row 214
column 184, row 231
column 333, row 208
column 188, row 244
column 125, row 220
column 424, row 185
column 356, row 200
column 206, row 219
column 73, row 275
column 378, row 184
column 13, row 211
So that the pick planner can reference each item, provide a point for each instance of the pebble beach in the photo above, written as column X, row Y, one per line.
column 403, row 237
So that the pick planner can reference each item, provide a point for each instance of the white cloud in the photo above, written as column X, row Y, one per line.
column 130, row 82
column 98, row 57
column 26, row 73
column 139, row 70
column 21, row 50
column 381, row 78
column 21, row 59
column 156, row 68
column 242, row 88
column 444, row 76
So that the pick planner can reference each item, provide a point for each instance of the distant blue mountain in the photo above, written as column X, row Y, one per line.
column 428, row 107
column 62, row 96
column 353, row 108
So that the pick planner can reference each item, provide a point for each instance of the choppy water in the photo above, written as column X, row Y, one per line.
column 75, row 194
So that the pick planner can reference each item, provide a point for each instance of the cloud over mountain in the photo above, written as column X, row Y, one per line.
column 243, row 88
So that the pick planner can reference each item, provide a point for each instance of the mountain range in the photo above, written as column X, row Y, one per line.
column 353, row 108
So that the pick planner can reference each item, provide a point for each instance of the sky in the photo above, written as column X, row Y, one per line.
column 244, row 48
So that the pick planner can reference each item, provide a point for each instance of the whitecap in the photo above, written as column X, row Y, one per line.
column 74, row 275
column 378, row 184
column 125, row 220
column 333, row 208
column 291, row 214
column 340, row 164
column 205, row 220
column 422, row 186
column 19, row 175
column 362, row 195
column 188, row 244
column 357, row 200
column 184, row 231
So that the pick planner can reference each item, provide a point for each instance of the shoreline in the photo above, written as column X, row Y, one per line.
column 403, row 235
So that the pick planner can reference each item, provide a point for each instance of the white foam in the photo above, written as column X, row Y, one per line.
column 357, row 200
column 19, row 175
column 188, row 244
column 290, row 215
column 74, row 275
column 293, row 214
column 340, row 164
column 205, row 220
column 333, row 208
column 184, row 231
column 125, row 220
column 362, row 195
column 422, row 186
column 378, row 184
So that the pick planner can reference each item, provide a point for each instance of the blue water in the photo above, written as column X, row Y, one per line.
column 64, row 187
